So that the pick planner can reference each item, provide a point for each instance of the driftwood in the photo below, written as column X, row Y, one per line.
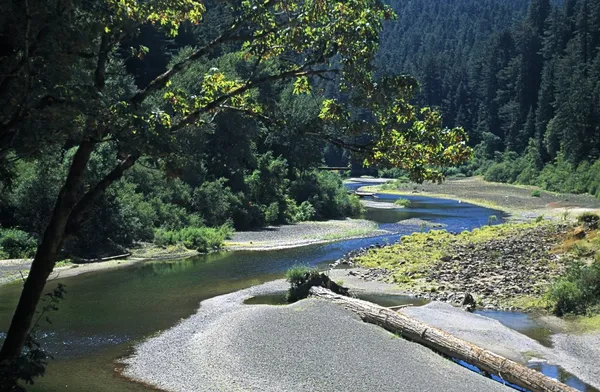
column 445, row 343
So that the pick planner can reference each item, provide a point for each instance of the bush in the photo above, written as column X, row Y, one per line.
column 327, row 195
column 303, row 278
column 536, row 194
column 589, row 220
column 402, row 202
column 202, row 239
column 304, row 212
column 578, row 291
column 215, row 202
column 17, row 244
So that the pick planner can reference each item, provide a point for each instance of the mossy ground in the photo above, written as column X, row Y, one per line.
column 413, row 262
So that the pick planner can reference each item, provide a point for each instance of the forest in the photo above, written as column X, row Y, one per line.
column 522, row 78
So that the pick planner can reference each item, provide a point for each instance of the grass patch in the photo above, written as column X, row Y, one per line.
column 402, row 202
column 585, row 324
column 536, row 193
column 527, row 303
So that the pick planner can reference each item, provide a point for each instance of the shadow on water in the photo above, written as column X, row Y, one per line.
column 105, row 313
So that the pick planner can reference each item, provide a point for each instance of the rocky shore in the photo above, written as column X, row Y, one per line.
column 506, row 272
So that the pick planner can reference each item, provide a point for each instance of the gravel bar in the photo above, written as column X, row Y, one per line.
column 302, row 234
column 308, row 346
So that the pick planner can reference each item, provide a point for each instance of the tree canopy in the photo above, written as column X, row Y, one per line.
column 77, row 107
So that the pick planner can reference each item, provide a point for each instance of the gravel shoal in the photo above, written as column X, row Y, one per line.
column 11, row 270
column 577, row 354
column 580, row 355
column 479, row 330
column 506, row 196
column 309, row 346
column 302, row 234
column 381, row 205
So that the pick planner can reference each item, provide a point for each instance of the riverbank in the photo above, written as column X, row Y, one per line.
column 18, row 269
column 521, row 202
column 303, row 234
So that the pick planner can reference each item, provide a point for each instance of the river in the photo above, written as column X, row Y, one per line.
column 105, row 313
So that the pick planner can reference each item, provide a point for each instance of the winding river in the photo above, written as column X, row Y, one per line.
column 106, row 313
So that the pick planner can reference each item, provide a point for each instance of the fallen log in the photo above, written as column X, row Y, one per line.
column 445, row 343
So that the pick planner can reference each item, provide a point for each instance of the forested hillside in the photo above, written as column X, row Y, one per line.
column 523, row 78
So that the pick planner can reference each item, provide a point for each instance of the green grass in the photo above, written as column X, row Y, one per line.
column 402, row 202
column 298, row 272
column 536, row 193
column 585, row 324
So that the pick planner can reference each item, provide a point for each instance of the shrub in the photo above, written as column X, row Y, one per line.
column 271, row 213
column 536, row 193
column 578, row 291
column 303, row 278
column 304, row 212
column 589, row 220
column 17, row 244
column 215, row 202
column 327, row 195
column 202, row 239
column 402, row 202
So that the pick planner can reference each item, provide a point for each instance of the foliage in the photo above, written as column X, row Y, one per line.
column 34, row 359
column 536, row 193
column 589, row 220
column 70, row 89
column 402, row 202
column 303, row 278
column 577, row 291
column 17, row 244
column 202, row 239
column 522, row 81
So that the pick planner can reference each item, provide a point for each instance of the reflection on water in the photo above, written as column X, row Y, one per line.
column 527, row 324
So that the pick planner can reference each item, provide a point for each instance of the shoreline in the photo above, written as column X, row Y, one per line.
column 303, row 234
column 13, row 270
column 515, row 200
column 73, row 269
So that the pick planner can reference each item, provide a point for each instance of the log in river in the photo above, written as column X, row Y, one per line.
column 445, row 343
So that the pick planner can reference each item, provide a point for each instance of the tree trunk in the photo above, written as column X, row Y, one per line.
column 46, row 255
column 445, row 343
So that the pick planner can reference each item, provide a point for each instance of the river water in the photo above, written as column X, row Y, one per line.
column 105, row 313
